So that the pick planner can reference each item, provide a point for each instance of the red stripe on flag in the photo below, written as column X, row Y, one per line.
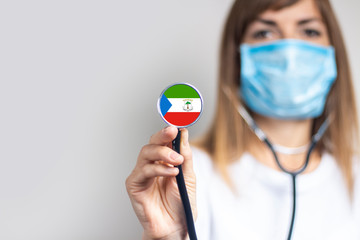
column 181, row 118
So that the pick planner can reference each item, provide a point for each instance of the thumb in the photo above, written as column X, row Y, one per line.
column 185, row 151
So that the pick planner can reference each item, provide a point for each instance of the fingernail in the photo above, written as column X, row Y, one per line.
column 174, row 170
column 175, row 156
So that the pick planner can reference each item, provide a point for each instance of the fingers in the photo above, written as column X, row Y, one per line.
column 164, row 136
column 151, row 153
column 158, row 160
column 157, row 170
column 143, row 177
column 154, row 161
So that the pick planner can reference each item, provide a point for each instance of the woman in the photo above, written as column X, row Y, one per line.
column 285, row 62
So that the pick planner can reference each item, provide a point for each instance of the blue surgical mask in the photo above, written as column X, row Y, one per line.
column 287, row 79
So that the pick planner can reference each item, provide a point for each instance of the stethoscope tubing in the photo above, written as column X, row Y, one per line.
column 262, row 136
column 183, row 192
column 293, row 175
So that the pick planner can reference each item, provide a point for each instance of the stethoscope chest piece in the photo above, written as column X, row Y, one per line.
column 180, row 105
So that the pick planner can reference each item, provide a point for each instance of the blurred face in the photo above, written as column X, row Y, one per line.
column 301, row 21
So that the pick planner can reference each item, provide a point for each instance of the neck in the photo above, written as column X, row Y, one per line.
column 287, row 133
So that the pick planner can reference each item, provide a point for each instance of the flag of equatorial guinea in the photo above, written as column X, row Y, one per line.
column 180, row 105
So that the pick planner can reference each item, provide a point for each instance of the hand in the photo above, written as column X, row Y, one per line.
column 153, row 190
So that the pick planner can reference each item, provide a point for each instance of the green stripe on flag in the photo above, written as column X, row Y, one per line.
column 181, row 91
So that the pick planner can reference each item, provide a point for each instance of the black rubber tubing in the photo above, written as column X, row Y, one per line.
column 183, row 192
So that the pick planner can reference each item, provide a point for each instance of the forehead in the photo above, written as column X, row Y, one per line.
column 300, row 10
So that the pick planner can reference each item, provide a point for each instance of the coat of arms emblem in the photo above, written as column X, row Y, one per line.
column 187, row 105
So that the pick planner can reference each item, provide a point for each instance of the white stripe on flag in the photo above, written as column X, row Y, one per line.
column 178, row 104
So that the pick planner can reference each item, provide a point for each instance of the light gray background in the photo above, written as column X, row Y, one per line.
column 79, row 81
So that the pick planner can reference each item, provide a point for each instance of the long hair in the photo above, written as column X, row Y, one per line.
column 228, row 135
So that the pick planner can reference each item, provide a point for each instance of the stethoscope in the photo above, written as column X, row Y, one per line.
column 275, row 148
column 261, row 135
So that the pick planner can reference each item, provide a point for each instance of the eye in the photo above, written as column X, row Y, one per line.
column 262, row 34
column 312, row 33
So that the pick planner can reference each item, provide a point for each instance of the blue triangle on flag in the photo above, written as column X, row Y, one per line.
column 165, row 105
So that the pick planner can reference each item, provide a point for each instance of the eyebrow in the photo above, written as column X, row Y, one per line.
column 301, row 22
column 267, row 22
column 305, row 21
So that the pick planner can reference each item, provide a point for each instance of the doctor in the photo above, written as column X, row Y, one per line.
column 284, row 63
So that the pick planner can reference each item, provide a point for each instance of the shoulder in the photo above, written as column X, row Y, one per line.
column 356, row 193
column 356, row 165
column 356, row 174
column 203, row 164
column 203, row 168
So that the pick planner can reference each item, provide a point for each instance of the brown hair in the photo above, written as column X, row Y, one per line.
column 227, row 138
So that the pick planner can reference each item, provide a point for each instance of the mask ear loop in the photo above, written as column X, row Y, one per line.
column 261, row 135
